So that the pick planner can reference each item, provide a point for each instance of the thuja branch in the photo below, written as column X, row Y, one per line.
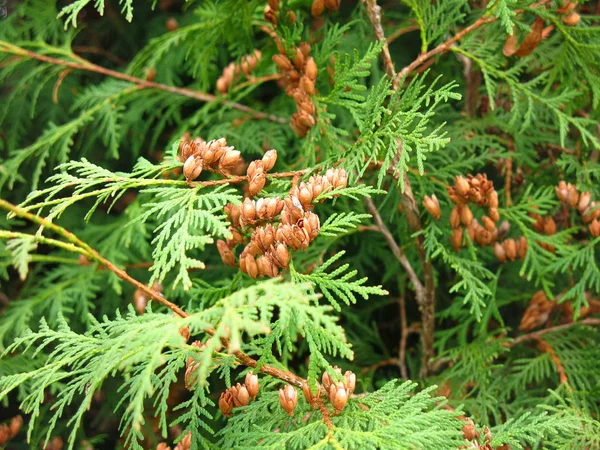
column 141, row 83
column 426, row 294
column 80, row 246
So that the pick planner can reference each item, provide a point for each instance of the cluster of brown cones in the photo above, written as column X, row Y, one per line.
column 338, row 392
column 268, row 249
column 9, row 430
column 214, row 155
column 510, row 249
column 233, row 71
column 479, row 190
column 299, row 75
column 272, row 14
column 541, row 310
column 471, row 434
column 318, row 6
column 239, row 395
column 184, row 444
column 571, row 17
column 582, row 202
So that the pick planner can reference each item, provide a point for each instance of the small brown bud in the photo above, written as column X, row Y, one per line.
column 255, row 167
column 456, row 238
column 469, row 431
column 163, row 446
column 269, row 159
column 274, row 4
column 274, row 206
column 226, row 403
column 317, row 8
column 230, row 159
column 591, row 213
column 594, row 228
column 522, row 248
column 455, row 218
column 488, row 223
column 572, row 196
column 248, row 212
column 305, row 195
column 257, row 182
column 171, row 24
column 494, row 214
column 349, row 382
column 261, row 208
column 236, row 238
column 572, row 19
column 288, row 397
column 240, row 395
column 549, row 226
column 248, row 265
column 307, row 85
column 264, row 237
column 223, row 85
column 492, row 197
column 15, row 426
column 282, row 62
column 311, row 398
column 299, row 59
column 311, row 69
column 432, row 205
column 226, row 254
column 252, row 385
column 500, row 252
column 312, row 224
column 326, row 379
column 150, row 74
column 266, row 266
column 233, row 212
column 584, row 200
column 192, row 168
column 510, row 247
column 270, row 15
column 338, row 396
column 561, row 191
column 332, row 5
column 461, row 186
column 281, row 255
column 466, row 216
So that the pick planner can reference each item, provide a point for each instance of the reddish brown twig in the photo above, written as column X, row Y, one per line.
column 537, row 334
column 142, row 84
column 545, row 347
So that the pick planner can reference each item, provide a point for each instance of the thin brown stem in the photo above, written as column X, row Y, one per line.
column 537, row 334
column 425, row 294
column 545, row 347
column 403, row 336
column 89, row 252
column 142, row 84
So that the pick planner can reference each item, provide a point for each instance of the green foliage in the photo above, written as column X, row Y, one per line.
column 104, row 238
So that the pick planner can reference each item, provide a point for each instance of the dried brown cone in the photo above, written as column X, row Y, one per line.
column 317, row 8
column 233, row 212
column 338, row 396
column 332, row 5
column 192, row 168
column 522, row 248
column 240, row 395
column 312, row 399
column 456, row 239
column 226, row 403
column 538, row 312
column 594, row 228
column 252, row 385
column 226, row 254
column 510, row 247
column 572, row 19
column 248, row 213
column 288, row 398
column 56, row 443
column 500, row 252
column 280, row 255
column 266, row 266
column 185, row 443
column 269, row 159
column 468, row 429
column 461, row 186
column 584, row 201
column 432, row 205
column 466, row 215
column 455, row 218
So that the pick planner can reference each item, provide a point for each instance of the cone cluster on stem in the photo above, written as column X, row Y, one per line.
column 239, row 395
column 471, row 189
column 275, row 226
column 214, row 155
column 234, row 71
column 184, row 444
column 582, row 202
column 338, row 392
column 273, row 15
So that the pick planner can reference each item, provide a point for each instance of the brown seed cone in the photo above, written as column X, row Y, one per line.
column 349, row 382
column 255, row 167
column 456, row 238
column 294, row 208
column 248, row 265
column 537, row 313
column 307, row 85
column 594, row 228
column 274, row 206
column 192, row 168
column 305, row 194
column 223, row 84
column 283, row 62
column 432, row 206
column 226, row 403
column 261, row 208
column 338, row 396
column 270, row 15
column 591, row 212
column 304, row 48
column 56, row 443
column 240, row 395
column 494, row 214
column 312, row 399
column 567, row 7
column 317, row 8
column 561, row 191
column 269, row 159
column 257, row 182
column 251, row 383
column 233, row 212
column 185, row 443
column 163, row 446
column 230, row 158
column 264, row 237
column 549, row 226
column 248, row 212
column 500, row 252
column 488, row 224
column 312, row 224
column 455, row 218
column 572, row 19
column 522, row 247
column 484, row 237
column 584, row 201
column 466, row 216
column 236, row 238
column 510, row 247
column 492, row 197
column 15, row 426
column 468, row 429
column 337, row 177
column 186, row 149
column 310, row 69
column 461, row 186
column 472, row 230
column 226, row 254
column 267, row 266
column 298, row 60
column 538, row 225
column 572, row 196
column 288, row 398
column 281, row 255
column 332, row 5
column 285, row 234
